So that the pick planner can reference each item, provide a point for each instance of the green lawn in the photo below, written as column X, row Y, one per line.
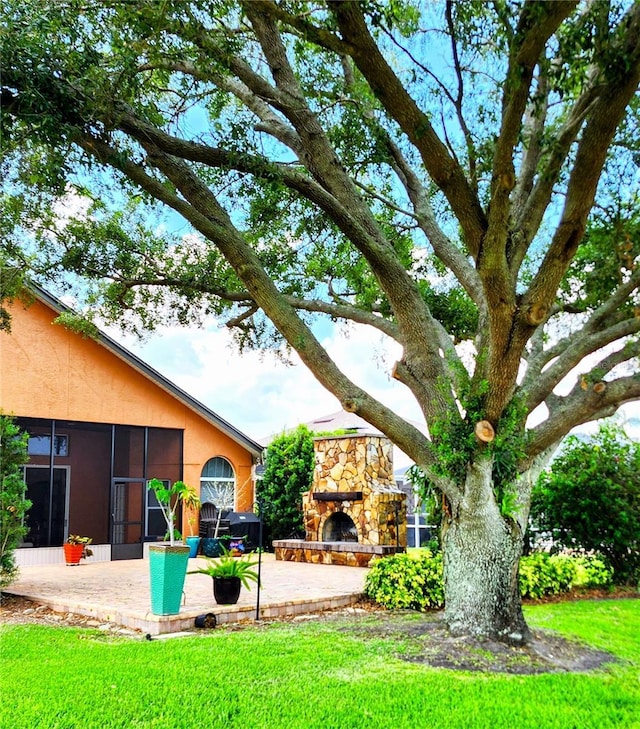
column 308, row 675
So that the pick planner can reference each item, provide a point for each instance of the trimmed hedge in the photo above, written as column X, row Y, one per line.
column 407, row 581
column 414, row 581
column 543, row 574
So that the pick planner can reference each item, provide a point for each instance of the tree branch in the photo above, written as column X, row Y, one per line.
column 510, row 327
column 530, row 212
column 628, row 351
column 400, row 106
column 533, row 132
column 415, row 323
column 538, row 21
column 317, row 35
column 444, row 249
column 459, row 98
column 579, row 407
column 270, row 122
column 346, row 312
column 573, row 354
column 603, row 119
column 605, row 316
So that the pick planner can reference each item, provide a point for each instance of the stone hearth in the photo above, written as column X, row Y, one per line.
column 354, row 510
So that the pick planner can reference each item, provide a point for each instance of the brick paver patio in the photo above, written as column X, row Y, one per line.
column 118, row 592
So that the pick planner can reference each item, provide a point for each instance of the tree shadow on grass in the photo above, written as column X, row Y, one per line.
column 425, row 639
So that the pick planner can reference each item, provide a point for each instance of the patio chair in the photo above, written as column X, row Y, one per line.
column 208, row 519
column 211, row 522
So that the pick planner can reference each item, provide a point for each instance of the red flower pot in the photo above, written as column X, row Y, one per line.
column 73, row 553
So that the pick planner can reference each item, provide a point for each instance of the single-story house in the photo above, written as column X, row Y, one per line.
column 101, row 424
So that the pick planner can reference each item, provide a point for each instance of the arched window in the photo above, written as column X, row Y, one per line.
column 218, row 484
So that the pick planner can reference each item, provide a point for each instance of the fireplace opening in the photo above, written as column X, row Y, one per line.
column 339, row 527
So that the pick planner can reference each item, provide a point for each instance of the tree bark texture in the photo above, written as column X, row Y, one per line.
column 482, row 550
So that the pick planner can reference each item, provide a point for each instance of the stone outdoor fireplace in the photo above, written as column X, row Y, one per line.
column 354, row 510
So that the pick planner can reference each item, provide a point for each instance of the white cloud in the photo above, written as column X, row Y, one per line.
column 262, row 396
column 255, row 391
column 70, row 206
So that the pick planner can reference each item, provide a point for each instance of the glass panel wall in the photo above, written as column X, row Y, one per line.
column 92, row 471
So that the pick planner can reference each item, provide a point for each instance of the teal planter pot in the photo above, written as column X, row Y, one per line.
column 167, row 570
column 194, row 544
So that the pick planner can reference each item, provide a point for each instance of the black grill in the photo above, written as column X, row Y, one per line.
column 245, row 524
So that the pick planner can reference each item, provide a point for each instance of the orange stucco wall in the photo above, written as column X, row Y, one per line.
column 47, row 371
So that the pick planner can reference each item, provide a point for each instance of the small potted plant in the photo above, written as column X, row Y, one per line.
column 193, row 540
column 169, row 499
column 229, row 574
column 76, row 548
column 168, row 560
column 214, row 546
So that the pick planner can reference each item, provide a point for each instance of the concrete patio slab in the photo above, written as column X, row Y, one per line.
column 118, row 592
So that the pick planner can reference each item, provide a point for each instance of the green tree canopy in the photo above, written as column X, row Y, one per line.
column 441, row 172
column 590, row 499
column 288, row 473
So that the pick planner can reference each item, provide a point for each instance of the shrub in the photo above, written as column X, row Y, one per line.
column 414, row 581
column 544, row 574
column 592, row 571
column 13, row 504
column 590, row 500
column 406, row 581
column 288, row 473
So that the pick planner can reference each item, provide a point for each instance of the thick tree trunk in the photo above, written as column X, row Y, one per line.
column 482, row 551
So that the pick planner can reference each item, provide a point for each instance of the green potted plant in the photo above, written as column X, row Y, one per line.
column 76, row 548
column 193, row 540
column 229, row 574
column 168, row 560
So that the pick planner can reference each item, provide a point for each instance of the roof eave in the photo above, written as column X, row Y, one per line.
column 160, row 380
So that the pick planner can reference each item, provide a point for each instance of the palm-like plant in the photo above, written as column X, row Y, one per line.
column 76, row 539
column 170, row 497
column 229, row 566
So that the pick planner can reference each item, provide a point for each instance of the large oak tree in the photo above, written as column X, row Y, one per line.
column 443, row 173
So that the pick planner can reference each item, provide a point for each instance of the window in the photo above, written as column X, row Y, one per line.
column 40, row 445
column 218, row 484
column 419, row 533
column 156, row 523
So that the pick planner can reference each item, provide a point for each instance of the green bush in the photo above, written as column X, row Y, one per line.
column 415, row 581
column 288, row 473
column 407, row 581
column 590, row 500
column 13, row 504
column 543, row 574
column 593, row 571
